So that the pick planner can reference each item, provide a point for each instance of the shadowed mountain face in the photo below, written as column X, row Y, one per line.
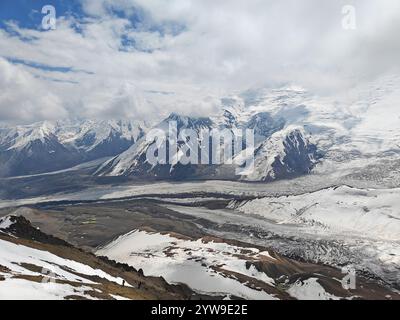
column 37, row 156
column 284, row 155
column 278, row 153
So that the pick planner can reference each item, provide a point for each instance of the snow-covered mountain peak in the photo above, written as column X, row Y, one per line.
column 47, row 146
column 22, row 136
column 90, row 134
column 185, row 122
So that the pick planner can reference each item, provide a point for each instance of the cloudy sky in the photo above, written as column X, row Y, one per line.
column 147, row 58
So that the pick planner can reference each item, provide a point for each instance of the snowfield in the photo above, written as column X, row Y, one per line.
column 310, row 289
column 207, row 266
column 186, row 261
column 16, row 285
column 20, row 289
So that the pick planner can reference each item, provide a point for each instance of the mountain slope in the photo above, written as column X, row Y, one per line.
column 34, row 265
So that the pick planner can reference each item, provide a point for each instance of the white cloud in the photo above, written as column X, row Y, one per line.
column 220, row 47
column 24, row 98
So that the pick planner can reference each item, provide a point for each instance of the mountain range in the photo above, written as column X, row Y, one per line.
column 49, row 146
column 296, row 132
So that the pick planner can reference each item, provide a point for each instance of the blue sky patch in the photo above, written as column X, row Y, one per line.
column 28, row 13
